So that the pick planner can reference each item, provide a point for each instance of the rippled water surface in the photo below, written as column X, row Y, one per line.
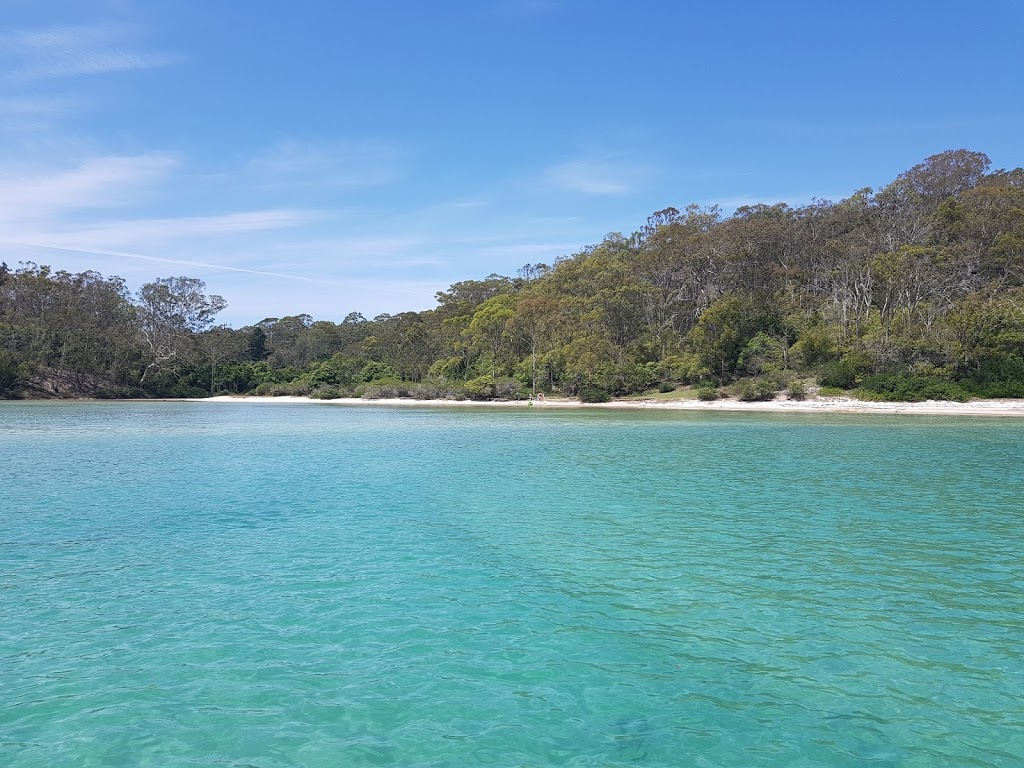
column 274, row 585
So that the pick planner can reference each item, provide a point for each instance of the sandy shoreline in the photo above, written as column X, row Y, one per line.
column 810, row 405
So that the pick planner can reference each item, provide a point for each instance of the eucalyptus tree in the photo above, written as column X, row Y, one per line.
column 221, row 344
column 464, row 297
column 406, row 342
column 171, row 311
column 987, row 224
column 488, row 327
column 533, row 325
column 94, row 327
column 907, row 207
column 288, row 339
column 677, row 270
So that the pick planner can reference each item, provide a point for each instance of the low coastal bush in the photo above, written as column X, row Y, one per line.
column 796, row 391
column 831, row 392
column 328, row 393
column 707, row 392
column 594, row 395
column 480, row 388
column 666, row 386
column 755, row 390
column 300, row 388
column 844, row 373
column 374, row 371
column 432, row 390
column 509, row 389
column 10, row 374
column 385, row 389
column 487, row 388
column 1001, row 376
column 902, row 388
column 993, row 389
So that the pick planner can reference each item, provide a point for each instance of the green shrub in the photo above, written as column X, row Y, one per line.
column 831, row 392
column 781, row 379
column 431, row 390
column 665, row 387
column 374, row 371
column 480, row 388
column 996, row 376
column 379, row 392
column 905, row 388
column 816, row 346
column 686, row 367
column 796, row 391
column 623, row 379
column 510, row 389
column 762, row 354
column 450, row 368
column 322, row 373
column 993, row 389
column 591, row 394
column 844, row 373
column 301, row 387
column 327, row 393
column 281, row 375
column 386, row 389
column 10, row 372
column 707, row 392
column 754, row 390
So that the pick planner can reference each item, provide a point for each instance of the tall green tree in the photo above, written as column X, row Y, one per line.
column 489, row 326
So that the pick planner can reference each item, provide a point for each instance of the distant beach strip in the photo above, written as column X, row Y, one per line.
column 810, row 405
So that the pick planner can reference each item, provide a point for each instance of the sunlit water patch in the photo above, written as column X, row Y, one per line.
column 250, row 585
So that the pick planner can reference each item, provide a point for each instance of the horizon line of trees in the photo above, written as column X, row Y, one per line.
column 913, row 291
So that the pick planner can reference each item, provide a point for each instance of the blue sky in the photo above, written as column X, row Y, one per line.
column 328, row 156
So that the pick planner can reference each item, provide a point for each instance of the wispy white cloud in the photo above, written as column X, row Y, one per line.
column 75, row 209
column 464, row 204
column 36, row 106
column 30, row 194
column 71, row 51
column 141, row 232
column 597, row 177
column 347, row 163
column 29, row 117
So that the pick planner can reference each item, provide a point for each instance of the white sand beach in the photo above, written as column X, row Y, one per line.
column 781, row 405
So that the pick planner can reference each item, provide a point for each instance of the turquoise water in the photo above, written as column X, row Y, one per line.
column 251, row 585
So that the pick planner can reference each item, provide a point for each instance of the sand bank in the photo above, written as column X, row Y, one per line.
column 810, row 405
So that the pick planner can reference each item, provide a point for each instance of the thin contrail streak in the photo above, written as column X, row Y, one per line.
column 205, row 265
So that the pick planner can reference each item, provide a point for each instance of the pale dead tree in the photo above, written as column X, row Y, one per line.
column 171, row 310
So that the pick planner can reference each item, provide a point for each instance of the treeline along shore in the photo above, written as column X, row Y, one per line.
column 911, row 292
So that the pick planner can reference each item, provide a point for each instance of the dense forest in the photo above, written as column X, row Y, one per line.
column 915, row 291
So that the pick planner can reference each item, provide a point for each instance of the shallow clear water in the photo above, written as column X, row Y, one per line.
column 252, row 585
